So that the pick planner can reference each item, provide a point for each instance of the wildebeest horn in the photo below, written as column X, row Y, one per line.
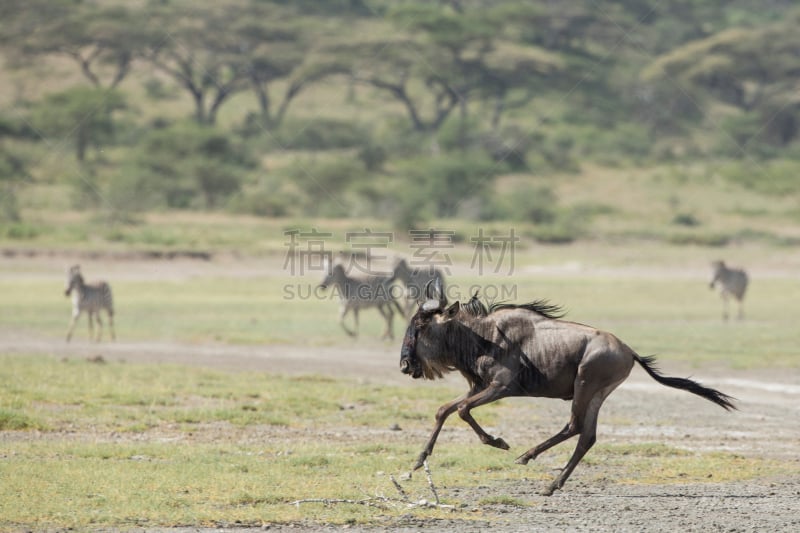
column 435, row 295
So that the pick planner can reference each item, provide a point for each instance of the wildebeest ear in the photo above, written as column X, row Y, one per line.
column 453, row 309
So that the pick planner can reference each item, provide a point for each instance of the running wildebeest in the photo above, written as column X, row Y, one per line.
column 91, row 298
column 361, row 292
column 414, row 280
column 524, row 350
column 732, row 282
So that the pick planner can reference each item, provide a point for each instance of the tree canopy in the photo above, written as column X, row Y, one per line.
column 379, row 91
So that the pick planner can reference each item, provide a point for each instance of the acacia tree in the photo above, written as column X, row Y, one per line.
column 216, row 51
column 102, row 40
column 280, row 46
column 83, row 115
column 445, row 56
column 752, row 69
column 12, row 175
column 193, row 45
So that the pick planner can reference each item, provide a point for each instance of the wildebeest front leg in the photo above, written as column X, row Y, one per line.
column 463, row 405
column 488, row 395
column 441, row 415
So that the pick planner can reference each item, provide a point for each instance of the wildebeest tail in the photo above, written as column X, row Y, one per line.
column 719, row 398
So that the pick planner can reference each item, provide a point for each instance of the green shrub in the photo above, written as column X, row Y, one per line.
column 524, row 203
column 698, row 239
column 320, row 134
column 445, row 182
column 15, row 421
column 776, row 178
column 20, row 231
column 191, row 165
column 685, row 219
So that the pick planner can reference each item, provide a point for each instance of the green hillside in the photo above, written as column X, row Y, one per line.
column 130, row 122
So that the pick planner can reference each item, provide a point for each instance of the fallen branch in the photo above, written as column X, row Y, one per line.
column 372, row 502
column 430, row 482
column 399, row 488
column 383, row 502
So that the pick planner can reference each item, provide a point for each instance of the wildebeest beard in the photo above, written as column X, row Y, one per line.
column 437, row 349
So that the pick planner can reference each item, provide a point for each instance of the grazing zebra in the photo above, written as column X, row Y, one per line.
column 415, row 281
column 90, row 298
column 731, row 282
column 357, row 293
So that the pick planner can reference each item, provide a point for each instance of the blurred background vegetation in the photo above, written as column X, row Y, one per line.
column 675, row 121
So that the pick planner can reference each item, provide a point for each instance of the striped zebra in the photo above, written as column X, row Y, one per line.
column 91, row 298
column 415, row 281
column 730, row 282
column 356, row 293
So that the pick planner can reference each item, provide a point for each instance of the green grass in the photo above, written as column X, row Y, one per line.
column 126, row 445
column 630, row 291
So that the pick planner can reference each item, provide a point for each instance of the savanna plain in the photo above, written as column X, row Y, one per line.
column 231, row 399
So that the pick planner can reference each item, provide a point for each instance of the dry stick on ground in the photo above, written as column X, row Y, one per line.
column 430, row 482
column 399, row 488
column 383, row 501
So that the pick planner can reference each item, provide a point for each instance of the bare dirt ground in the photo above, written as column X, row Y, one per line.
column 767, row 426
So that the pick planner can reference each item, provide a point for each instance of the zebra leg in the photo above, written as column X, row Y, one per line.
column 72, row 323
column 90, row 316
column 343, row 313
column 355, row 322
column 111, row 325
column 725, row 307
column 387, row 314
column 99, row 327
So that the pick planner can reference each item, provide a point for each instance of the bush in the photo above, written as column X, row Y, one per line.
column 446, row 181
column 685, row 219
column 324, row 182
column 20, row 231
column 189, row 165
column 373, row 156
column 269, row 198
column 777, row 178
column 320, row 134
column 525, row 203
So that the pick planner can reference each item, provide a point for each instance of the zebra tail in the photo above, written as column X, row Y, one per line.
column 719, row 398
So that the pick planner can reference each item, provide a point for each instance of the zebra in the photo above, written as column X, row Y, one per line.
column 415, row 281
column 91, row 298
column 356, row 293
column 731, row 282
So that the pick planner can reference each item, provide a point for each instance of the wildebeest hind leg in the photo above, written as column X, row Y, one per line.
column 570, row 430
column 585, row 418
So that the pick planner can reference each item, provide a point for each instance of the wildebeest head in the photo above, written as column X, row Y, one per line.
column 433, row 310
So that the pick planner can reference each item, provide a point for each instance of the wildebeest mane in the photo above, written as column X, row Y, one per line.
column 475, row 307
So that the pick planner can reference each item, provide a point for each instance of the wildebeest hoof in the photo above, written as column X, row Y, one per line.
column 549, row 490
column 522, row 460
column 499, row 443
column 420, row 461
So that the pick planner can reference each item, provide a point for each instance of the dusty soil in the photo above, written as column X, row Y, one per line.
column 639, row 411
column 766, row 426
